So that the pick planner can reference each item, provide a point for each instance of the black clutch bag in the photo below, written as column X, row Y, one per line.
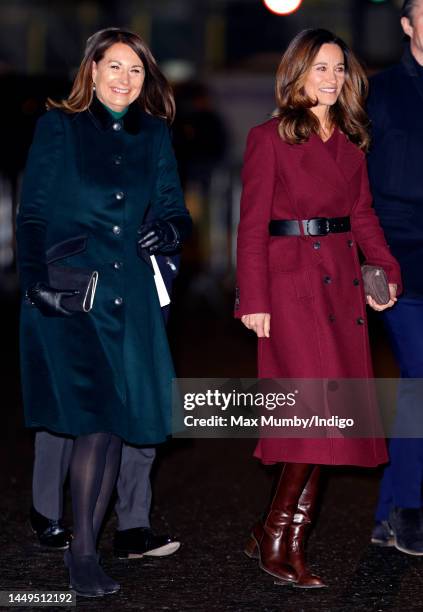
column 68, row 277
column 376, row 284
column 74, row 279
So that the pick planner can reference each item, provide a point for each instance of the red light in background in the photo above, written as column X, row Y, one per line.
column 282, row 7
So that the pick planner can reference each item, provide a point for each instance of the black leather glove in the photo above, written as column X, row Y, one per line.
column 48, row 300
column 159, row 236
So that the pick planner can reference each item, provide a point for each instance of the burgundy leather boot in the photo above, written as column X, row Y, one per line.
column 297, row 534
column 251, row 548
column 269, row 541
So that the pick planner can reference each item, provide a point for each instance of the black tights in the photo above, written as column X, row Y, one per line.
column 93, row 472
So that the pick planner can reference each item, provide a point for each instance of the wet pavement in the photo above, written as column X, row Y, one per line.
column 208, row 493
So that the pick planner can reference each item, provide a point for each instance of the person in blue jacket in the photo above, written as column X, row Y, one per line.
column 396, row 175
column 99, row 161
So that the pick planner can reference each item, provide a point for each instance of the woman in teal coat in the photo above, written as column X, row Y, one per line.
column 99, row 161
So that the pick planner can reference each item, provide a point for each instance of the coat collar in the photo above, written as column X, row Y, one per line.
column 319, row 162
column 412, row 69
column 131, row 121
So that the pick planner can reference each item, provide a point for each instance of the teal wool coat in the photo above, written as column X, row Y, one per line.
column 88, row 184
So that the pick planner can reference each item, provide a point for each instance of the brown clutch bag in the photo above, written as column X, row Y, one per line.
column 376, row 284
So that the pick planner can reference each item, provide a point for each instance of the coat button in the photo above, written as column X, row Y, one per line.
column 350, row 243
column 117, row 160
column 118, row 301
column 360, row 321
column 117, row 126
column 316, row 245
column 327, row 280
column 119, row 195
column 117, row 230
column 356, row 282
column 117, row 265
column 332, row 318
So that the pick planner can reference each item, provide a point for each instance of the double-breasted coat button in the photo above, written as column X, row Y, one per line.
column 117, row 265
column 360, row 321
column 117, row 126
column 327, row 280
column 332, row 318
column 350, row 243
column 118, row 301
column 116, row 230
column 316, row 245
column 356, row 282
column 119, row 195
column 117, row 160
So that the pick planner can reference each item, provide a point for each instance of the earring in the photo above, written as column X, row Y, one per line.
column 93, row 86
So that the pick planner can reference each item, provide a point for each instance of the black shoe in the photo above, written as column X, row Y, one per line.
column 86, row 576
column 50, row 533
column 407, row 525
column 135, row 543
column 382, row 534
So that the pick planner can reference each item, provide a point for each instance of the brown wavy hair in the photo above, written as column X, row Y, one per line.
column 297, row 121
column 156, row 96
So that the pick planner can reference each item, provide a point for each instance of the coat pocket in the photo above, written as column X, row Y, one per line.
column 303, row 283
column 66, row 248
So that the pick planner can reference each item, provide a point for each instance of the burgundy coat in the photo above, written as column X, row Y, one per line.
column 311, row 286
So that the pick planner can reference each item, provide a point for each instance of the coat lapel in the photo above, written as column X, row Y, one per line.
column 319, row 163
column 349, row 157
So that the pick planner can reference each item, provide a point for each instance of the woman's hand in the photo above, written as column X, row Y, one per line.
column 49, row 300
column 379, row 307
column 157, row 236
column 259, row 323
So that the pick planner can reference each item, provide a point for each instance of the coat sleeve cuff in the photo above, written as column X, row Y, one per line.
column 249, row 306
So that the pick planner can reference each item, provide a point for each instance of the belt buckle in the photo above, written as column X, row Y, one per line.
column 320, row 231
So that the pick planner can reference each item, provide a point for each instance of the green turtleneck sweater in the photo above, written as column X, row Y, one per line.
column 115, row 114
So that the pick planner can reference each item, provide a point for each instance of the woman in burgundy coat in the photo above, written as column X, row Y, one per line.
column 305, row 212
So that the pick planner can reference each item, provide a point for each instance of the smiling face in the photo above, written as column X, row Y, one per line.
column 414, row 29
column 326, row 77
column 118, row 77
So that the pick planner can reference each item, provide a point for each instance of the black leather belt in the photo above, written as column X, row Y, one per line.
column 320, row 226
